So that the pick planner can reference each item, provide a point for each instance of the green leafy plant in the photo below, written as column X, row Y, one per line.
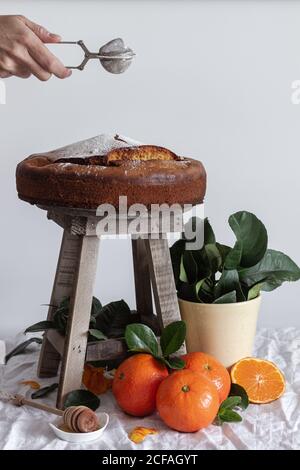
column 236, row 401
column 108, row 321
column 140, row 338
column 217, row 273
column 226, row 413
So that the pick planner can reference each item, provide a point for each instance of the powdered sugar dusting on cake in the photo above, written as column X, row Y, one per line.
column 98, row 145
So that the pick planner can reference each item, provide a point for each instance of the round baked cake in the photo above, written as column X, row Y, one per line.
column 146, row 174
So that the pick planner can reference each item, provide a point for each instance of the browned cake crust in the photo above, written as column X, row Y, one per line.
column 140, row 153
column 145, row 174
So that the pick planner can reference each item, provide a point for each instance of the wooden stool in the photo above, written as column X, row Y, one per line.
column 75, row 276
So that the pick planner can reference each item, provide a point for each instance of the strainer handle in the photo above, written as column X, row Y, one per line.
column 87, row 54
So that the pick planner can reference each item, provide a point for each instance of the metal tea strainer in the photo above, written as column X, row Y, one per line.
column 114, row 56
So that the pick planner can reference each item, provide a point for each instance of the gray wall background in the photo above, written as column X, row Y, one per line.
column 212, row 80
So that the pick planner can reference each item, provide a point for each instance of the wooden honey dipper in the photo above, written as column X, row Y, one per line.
column 75, row 418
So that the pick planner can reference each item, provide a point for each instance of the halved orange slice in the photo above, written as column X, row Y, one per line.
column 261, row 379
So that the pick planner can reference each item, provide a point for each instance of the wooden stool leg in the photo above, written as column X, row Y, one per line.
column 79, row 318
column 63, row 283
column 143, row 293
column 163, row 283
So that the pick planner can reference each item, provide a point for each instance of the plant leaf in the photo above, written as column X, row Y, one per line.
column 62, row 313
column 140, row 338
column 172, row 337
column 198, row 286
column 203, row 268
column 190, row 268
column 65, row 303
column 230, row 403
column 254, row 291
column 251, row 234
column 82, row 397
column 60, row 319
column 234, row 256
column 174, row 363
column 213, row 257
column 206, row 291
column 21, row 347
column 182, row 273
column 97, row 334
column 194, row 229
column 239, row 391
column 176, row 252
column 96, row 307
column 113, row 319
column 240, row 295
column 40, row 326
column 189, row 292
column 208, row 260
column 229, row 416
column 224, row 250
column 42, row 392
column 209, row 236
column 275, row 268
column 229, row 298
column 227, row 282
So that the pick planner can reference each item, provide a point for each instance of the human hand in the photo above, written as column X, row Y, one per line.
column 22, row 50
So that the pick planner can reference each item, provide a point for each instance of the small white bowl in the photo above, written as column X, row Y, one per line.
column 79, row 437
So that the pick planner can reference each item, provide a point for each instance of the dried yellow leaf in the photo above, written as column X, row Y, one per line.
column 32, row 384
column 137, row 435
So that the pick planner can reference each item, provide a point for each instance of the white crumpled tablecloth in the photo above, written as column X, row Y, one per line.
column 272, row 426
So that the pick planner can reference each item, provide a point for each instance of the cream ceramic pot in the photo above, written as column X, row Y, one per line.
column 226, row 331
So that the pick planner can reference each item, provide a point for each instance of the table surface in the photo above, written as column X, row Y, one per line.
column 272, row 426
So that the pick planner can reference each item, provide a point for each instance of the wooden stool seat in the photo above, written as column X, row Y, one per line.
column 75, row 276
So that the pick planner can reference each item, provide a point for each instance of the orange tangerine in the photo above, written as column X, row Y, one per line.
column 261, row 379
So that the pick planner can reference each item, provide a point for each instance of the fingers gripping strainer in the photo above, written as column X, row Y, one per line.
column 114, row 56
